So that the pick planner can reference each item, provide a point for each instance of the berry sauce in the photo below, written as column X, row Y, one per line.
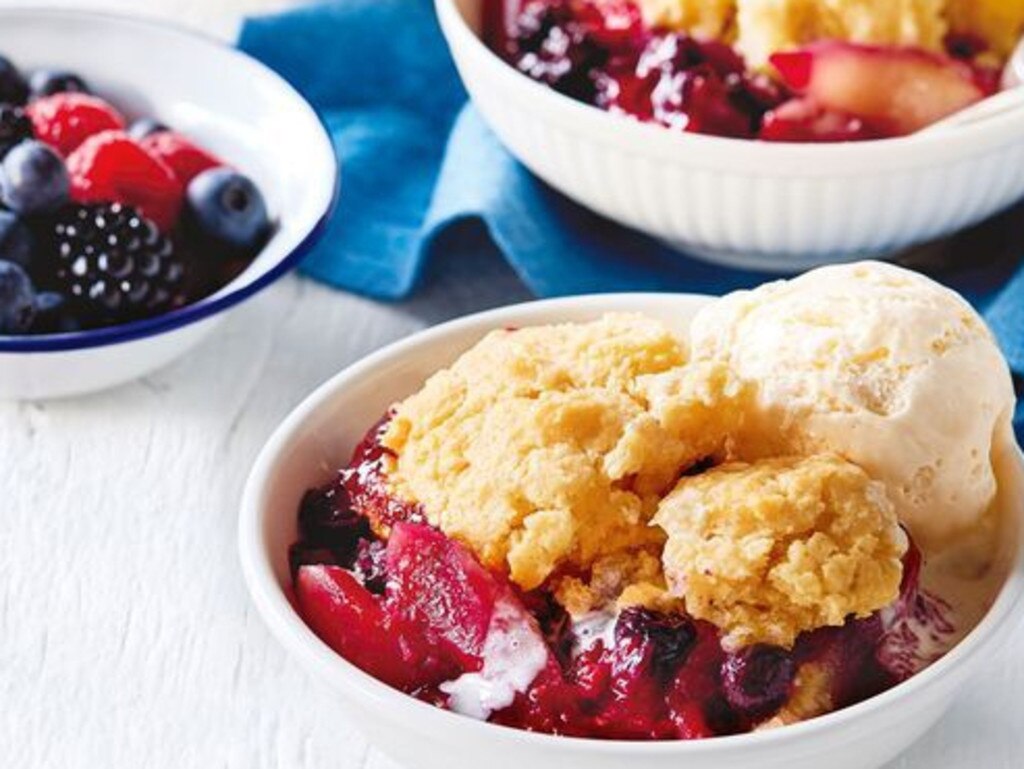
column 605, row 56
column 602, row 53
column 417, row 611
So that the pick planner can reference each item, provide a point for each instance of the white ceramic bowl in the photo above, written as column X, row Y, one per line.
column 743, row 203
column 318, row 437
column 229, row 103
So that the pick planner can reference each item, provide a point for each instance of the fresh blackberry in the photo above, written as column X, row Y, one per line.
column 114, row 264
column 15, row 127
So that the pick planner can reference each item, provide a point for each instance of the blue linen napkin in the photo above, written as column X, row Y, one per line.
column 417, row 161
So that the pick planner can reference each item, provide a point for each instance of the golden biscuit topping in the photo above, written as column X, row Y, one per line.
column 770, row 550
column 998, row 22
column 539, row 450
column 767, row 26
column 704, row 19
column 760, row 28
column 620, row 580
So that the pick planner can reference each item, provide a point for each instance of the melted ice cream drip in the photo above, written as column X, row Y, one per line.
column 514, row 653
column 591, row 628
column 917, row 635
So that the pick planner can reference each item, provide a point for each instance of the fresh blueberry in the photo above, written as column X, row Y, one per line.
column 15, row 127
column 46, row 82
column 17, row 299
column 757, row 680
column 144, row 127
column 228, row 209
column 33, row 179
column 13, row 88
column 54, row 315
column 16, row 242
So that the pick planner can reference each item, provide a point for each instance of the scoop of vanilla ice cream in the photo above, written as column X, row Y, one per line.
column 881, row 365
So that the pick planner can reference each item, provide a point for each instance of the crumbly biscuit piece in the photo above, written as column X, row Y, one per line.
column 768, row 26
column 617, row 582
column 770, row 550
column 999, row 22
column 705, row 19
column 812, row 697
column 538, row 450
column 759, row 28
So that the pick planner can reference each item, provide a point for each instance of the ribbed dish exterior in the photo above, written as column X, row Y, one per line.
column 738, row 202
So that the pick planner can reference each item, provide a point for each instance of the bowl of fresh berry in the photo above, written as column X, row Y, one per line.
column 140, row 198
column 652, row 530
column 753, row 134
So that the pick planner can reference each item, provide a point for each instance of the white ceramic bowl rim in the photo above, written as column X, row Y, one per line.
column 217, row 302
column 296, row 636
column 799, row 158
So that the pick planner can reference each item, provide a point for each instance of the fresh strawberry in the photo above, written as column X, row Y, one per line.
column 180, row 155
column 896, row 91
column 112, row 167
column 65, row 120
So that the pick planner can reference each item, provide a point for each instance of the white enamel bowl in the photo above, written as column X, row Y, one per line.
column 743, row 203
column 229, row 103
column 318, row 437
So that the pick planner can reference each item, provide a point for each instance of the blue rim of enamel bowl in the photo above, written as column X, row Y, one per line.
column 204, row 308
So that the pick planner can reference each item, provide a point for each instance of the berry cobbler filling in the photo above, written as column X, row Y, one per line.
column 417, row 610
column 603, row 53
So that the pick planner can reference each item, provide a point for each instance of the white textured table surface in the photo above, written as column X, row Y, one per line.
column 126, row 636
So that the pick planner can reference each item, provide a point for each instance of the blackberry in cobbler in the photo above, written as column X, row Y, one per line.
column 556, row 48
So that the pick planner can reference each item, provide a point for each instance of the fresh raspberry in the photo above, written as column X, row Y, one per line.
column 184, row 158
column 112, row 167
column 65, row 120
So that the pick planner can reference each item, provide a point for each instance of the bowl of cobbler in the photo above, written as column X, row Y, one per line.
column 773, row 134
column 653, row 528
